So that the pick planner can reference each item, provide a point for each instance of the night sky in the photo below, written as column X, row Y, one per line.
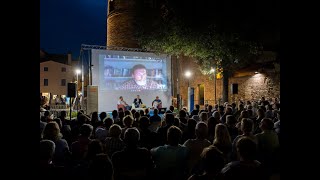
column 66, row 24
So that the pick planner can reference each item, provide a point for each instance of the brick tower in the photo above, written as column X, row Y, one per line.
column 120, row 18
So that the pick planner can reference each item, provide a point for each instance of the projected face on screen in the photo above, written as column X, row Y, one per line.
column 133, row 74
column 139, row 80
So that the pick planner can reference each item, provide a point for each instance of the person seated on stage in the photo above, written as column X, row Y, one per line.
column 156, row 104
column 137, row 101
column 122, row 104
column 139, row 80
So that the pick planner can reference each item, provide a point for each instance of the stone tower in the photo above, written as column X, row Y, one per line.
column 120, row 18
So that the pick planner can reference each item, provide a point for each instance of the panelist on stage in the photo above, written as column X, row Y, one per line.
column 137, row 101
column 157, row 104
column 122, row 104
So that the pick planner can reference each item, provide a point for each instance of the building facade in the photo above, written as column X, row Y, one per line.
column 56, row 71
column 251, row 84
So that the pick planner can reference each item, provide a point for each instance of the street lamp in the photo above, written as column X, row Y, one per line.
column 190, row 95
column 188, row 75
column 215, row 84
column 78, row 71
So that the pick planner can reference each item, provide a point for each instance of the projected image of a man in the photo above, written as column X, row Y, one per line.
column 139, row 80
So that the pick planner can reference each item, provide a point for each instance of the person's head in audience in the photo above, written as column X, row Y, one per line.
column 222, row 135
column 176, row 122
column 127, row 113
column 169, row 118
column 47, row 149
column 192, row 124
column 144, row 122
column 213, row 160
column 241, row 107
column 133, row 111
column 243, row 114
column 107, row 122
column 58, row 121
column 203, row 116
column 141, row 112
column 121, row 115
column 52, row 132
column 137, row 115
column 174, row 135
column 197, row 107
column 246, row 149
column 261, row 113
column 263, row 108
column 171, row 108
column 266, row 124
column 231, row 121
column 128, row 121
column 216, row 115
column 210, row 108
column 95, row 147
column 246, row 126
column 201, row 130
column 81, row 119
column 250, row 113
column 115, row 131
column 212, row 122
column 185, row 109
column 102, row 115
column 182, row 114
column 155, row 112
column 114, row 114
column 228, row 110
column 63, row 114
column 146, row 111
column 94, row 116
column 86, row 130
column 216, row 106
column 221, row 109
column 131, row 137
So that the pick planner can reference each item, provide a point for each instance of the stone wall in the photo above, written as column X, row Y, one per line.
column 250, row 87
column 255, row 86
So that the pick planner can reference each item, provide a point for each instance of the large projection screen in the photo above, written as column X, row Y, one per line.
column 120, row 73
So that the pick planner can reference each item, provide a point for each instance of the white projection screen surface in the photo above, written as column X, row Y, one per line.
column 128, row 74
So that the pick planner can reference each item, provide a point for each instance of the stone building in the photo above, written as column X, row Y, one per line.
column 251, row 83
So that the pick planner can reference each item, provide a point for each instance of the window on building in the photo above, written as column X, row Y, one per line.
column 46, row 82
column 45, row 68
column 63, row 69
column 63, row 82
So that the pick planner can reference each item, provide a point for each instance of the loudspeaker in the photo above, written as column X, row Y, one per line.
column 71, row 90
column 234, row 88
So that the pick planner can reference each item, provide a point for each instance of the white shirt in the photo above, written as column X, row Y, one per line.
column 122, row 102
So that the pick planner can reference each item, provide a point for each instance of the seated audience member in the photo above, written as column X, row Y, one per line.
column 171, row 159
column 195, row 146
column 247, row 167
column 132, row 162
column 114, row 143
column 213, row 161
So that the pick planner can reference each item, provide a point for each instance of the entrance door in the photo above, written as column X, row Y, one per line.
column 201, row 94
